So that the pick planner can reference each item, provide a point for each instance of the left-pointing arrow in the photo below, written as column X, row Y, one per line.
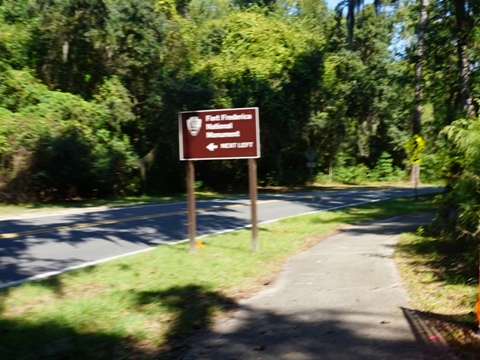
column 212, row 147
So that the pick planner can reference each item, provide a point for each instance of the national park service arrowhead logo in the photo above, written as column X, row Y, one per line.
column 194, row 124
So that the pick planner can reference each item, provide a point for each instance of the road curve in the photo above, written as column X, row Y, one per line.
column 40, row 246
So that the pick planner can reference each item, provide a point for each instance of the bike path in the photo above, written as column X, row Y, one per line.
column 340, row 300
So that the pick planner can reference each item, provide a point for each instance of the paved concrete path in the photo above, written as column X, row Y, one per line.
column 339, row 300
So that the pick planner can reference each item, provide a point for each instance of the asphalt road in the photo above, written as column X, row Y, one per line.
column 39, row 246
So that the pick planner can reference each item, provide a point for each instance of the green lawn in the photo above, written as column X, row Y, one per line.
column 441, row 278
column 147, row 305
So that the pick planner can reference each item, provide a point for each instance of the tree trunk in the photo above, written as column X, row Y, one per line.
column 466, row 101
column 417, row 119
column 350, row 23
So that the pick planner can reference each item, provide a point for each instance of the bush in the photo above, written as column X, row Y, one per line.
column 72, row 165
column 384, row 170
column 460, row 204
column 57, row 145
column 430, row 166
column 353, row 175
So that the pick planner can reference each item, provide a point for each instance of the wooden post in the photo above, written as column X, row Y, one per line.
column 252, row 176
column 415, row 178
column 191, row 205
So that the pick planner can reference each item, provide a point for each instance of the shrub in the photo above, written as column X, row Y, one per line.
column 353, row 175
column 462, row 174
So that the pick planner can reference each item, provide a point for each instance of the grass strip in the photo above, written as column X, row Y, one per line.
column 146, row 306
column 441, row 277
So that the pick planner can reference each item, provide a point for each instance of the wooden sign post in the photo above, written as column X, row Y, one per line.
column 220, row 135
column 252, row 176
column 192, row 221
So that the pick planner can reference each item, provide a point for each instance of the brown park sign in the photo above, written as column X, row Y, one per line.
column 219, row 134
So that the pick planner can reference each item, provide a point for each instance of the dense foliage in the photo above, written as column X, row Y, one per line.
column 90, row 92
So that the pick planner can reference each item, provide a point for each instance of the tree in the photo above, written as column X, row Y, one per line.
column 259, row 60
column 362, row 100
column 352, row 7
column 417, row 119
column 57, row 145
column 465, row 13
column 74, row 44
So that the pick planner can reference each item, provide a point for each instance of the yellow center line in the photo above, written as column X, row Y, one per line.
column 116, row 221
